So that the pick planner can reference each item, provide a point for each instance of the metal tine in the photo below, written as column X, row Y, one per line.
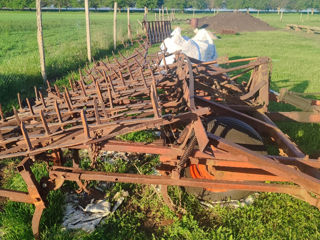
column 164, row 61
column 96, row 111
column 154, row 101
column 56, row 106
column 107, row 78
column 143, row 79
column 36, row 93
column 141, row 45
column 101, row 99
column 42, row 100
column 118, row 76
column 130, row 73
column 29, row 106
column 101, row 73
column 19, row 101
column 105, row 65
column 57, row 90
column 108, row 60
column 71, row 84
column 124, row 58
column 67, row 102
column 87, row 70
column 16, row 115
column 93, row 79
column 153, row 78
column 110, row 100
column 137, row 62
column 25, row 136
column 68, row 95
column 116, row 60
column 1, row 114
column 44, row 123
column 86, row 130
column 49, row 86
column 122, row 79
column 82, row 87
column 99, row 92
column 139, row 53
column 110, row 83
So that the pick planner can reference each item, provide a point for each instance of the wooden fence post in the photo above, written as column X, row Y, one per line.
column 86, row 7
column 115, row 25
column 40, row 41
column 129, row 26
column 162, row 13
column 167, row 14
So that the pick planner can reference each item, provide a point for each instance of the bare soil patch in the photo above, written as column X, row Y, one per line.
column 235, row 22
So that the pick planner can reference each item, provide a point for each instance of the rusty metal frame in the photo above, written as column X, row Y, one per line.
column 137, row 93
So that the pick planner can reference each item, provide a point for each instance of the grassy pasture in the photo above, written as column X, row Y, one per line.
column 65, row 47
column 295, row 57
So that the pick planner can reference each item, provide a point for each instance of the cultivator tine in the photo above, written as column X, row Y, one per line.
column 49, row 86
column 44, row 123
column 57, row 91
column 96, row 111
column 19, row 101
column 110, row 100
column 66, row 100
column 122, row 79
column 1, row 114
column 154, row 100
column 143, row 79
column 30, row 107
column 16, row 115
column 36, row 94
column 86, row 131
column 57, row 109
column 82, row 85
column 25, row 136
column 42, row 100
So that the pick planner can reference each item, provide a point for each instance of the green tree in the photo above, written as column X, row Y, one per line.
column 215, row 3
column 180, row 4
column 147, row 3
column 198, row 4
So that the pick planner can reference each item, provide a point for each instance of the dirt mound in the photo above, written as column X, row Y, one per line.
column 228, row 23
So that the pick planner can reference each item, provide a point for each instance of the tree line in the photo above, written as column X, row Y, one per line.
column 177, row 4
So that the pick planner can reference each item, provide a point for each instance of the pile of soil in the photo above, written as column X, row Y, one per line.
column 233, row 23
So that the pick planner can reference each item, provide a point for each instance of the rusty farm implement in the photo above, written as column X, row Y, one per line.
column 214, row 128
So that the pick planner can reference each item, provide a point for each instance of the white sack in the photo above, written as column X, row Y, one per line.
column 200, row 47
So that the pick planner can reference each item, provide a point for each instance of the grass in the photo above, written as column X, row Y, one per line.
column 65, row 47
column 143, row 215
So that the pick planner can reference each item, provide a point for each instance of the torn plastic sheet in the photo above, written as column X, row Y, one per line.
column 87, row 218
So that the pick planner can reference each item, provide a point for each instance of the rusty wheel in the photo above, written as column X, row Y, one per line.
column 233, row 130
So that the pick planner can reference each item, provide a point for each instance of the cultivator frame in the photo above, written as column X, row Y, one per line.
column 142, row 92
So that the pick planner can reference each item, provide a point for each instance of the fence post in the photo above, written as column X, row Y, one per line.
column 129, row 26
column 162, row 13
column 40, row 41
column 115, row 25
column 145, row 13
column 167, row 14
column 86, row 7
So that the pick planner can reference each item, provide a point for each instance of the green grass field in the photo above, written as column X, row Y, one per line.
column 295, row 57
column 65, row 47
